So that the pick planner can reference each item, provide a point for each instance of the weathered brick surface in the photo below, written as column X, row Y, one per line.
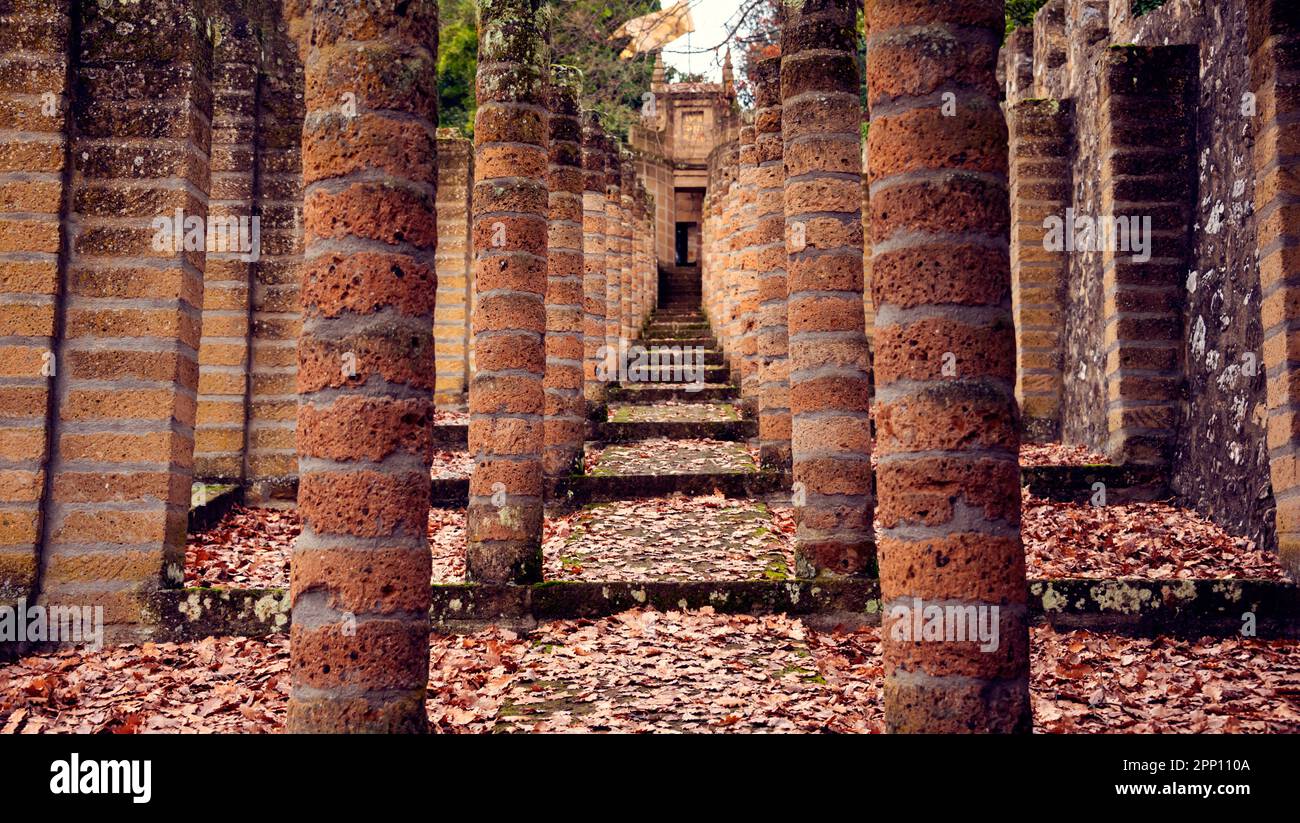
column 451, row 328
column 1050, row 51
column 829, row 368
column 129, row 313
column 1274, row 38
column 947, row 429
column 1087, row 25
column 1040, row 185
column 772, row 338
column 511, row 224
column 614, row 238
column 220, row 432
column 747, row 267
column 1146, row 172
column 627, row 247
column 359, row 587
column 1019, row 65
column 565, row 421
column 34, row 102
column 594, row 160
column 271, row 461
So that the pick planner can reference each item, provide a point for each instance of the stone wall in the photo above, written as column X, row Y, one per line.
column 1217, row 455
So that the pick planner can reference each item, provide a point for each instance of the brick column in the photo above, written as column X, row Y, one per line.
column 451, row 320
column 644, row 253
column 828, row 360
column 220, row 435
column 1146, row 175
column 1040, row 189
column 613, row 258
column 34, row 100
column 360, row 573
column 271, row 464
column 635, row 237
column 627, row 236
column 511, row 219
column 1087, row 23
column 566, row 412
column 127, row 360
column 650, row 264
column 731, row 261
column 1274, row 27
column 1050, row 52
column 1020, row 65
column 593, row 248
column 772, row 341
column 747, row 268
column 945, row 367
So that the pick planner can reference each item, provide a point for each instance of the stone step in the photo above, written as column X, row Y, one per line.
column 1181, row 608
column 730, row 430
column 683, row 332
column 676, row 355
column 717, row 374
column 1081, row 484
column 579, row 490
column 709, row 343
column 650, row 393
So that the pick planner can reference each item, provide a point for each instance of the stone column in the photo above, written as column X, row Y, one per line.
column 1274, row 27
column 566, row 412
column 613, row 259
column 1147, row 182
column 1019, row 63
column 220, row 430
column 1050, row 52
column 770, row 257
column 360, row 573
column 34, row 103
column 731, row 275
column 271, row 461
column 947, row 429
column 829, row 362
column 747, row 268
column 1040, row 189
column 455, row 257
column 593, row 248
column 511, row 220
column 627, row 236
column 122, row 433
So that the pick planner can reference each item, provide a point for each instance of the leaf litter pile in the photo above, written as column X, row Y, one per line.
column 1150, row 540
column 663, row 456
column 251, row 549
column 451, row 465
column 674, row 412
column 677, row 671
column 671, row 538
column 711, row 538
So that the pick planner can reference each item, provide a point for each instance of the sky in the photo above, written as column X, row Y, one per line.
column 711, row 18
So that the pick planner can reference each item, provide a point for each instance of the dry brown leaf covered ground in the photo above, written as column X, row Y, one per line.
column 644, row 671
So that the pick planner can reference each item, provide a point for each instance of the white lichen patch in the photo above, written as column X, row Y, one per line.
column 269, row 607
column 1053, row 601
column 1229, row 589
column 1120, row 597
column 191, row 607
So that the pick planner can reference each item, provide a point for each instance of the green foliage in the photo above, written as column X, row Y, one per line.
column 457, row 65
column 1141, row 7
column 579, row 37
column 1021, row 13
